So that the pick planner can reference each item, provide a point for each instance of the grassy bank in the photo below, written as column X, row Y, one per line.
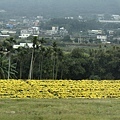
column 59, row 109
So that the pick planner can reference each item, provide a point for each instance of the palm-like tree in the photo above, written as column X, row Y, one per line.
column 59, row 59
column 36, row 45
column 4, row 68
column 20, row 56
column 57, row 55
column 42, row 51
column 8, row 48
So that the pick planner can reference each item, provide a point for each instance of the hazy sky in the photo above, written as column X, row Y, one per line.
column 56, row 7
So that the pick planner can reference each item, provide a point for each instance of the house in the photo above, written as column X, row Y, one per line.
column 25, row 33
column 110, row 32
column 35, row 30
column 53, row 31
column 63, row 31
column 71, row 18
column 80, row 17
column 5, row 32
column 30, row 45
column 109, row 21
column 102, row 38
column 95, row 32
column 116, row 17
column 54, row 28
column 100, row 16
column 4, row 36
column 2, row 11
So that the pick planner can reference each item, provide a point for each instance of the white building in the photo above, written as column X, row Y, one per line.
column 30, row 31
column 4, row 36
column 109, row 21
column 100, row 16
column 4, row 32
column 55, row 28
column 8, row 32
column 30, row 45
column 40, row 17
column 69, row 18
column 35, row 30
column 102, row 38
column 63, row 31
column 116, row 17
column 25, row 33
column 53, row 31
column 96, row 32
column 80, row 17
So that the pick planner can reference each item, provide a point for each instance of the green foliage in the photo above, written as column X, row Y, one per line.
column 66, row 39
column 72, row 25
column 6, row 50
column 94, row 77
column 4, row 68
column 51, row 62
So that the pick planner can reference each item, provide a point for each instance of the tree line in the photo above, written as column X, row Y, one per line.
column 50, row 62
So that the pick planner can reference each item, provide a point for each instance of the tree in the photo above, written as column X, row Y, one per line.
column 4, row 68
column 35, row 45
column 48, row 63
column 56, row 55
column 58, row 61
column 42, row 51
column 8, row 47
column 66, row 38
column 54, row 46
column 20, row 59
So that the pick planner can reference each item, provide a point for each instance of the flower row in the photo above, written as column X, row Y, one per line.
column 59, row 89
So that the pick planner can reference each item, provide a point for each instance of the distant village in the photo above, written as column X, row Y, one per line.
column 22, row 28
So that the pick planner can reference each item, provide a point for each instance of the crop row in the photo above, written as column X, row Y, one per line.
column 59, row 89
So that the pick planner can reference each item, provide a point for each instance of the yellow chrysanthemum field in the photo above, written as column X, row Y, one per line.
column 59, row 89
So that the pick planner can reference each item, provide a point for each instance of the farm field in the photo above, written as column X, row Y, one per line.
column 60, row 89
column 59, row 100
column 60, row 109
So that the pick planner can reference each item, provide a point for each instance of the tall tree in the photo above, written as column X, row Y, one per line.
column 8, row 47
column 36, row 45
column 57, row 56
column 42, row 51
column 3, row 67
column 20, row 58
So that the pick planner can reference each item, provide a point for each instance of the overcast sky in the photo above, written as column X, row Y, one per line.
column 57, row 7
